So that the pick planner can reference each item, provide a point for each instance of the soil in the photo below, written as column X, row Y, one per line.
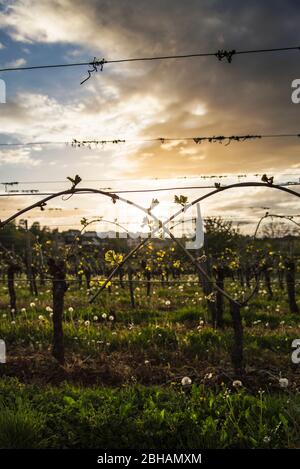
column 124, row 368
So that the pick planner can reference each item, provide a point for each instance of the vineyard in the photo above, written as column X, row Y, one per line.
column 149, row 232
column 116, row 346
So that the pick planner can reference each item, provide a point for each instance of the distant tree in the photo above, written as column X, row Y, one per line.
column 220, row 234
column 279, row 229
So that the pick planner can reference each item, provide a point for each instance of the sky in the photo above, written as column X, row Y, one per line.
column 142, row 100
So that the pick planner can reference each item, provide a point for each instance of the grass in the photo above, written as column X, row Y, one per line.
column 20, row 427
column 145, row 417
column 121, row 386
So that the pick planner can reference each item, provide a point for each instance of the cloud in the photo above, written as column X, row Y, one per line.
column 16, row 63
column 19, row 156
column 198, row 95
column 72, row 22
column 38, row 116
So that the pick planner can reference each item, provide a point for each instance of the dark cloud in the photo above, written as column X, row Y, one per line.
column 250, row 95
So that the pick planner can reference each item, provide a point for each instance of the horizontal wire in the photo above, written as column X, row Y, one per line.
column 161, row 140
column 138, row 191
column 219, row 54
column 219, row 176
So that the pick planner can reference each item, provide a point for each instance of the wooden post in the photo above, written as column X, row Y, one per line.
column 42, row 266
column 59, row 287
column 208, row 290
column 220, row 276
column 11, row 270
column 290, row 273
column 121, row 274
column 267, row 277
column 88, row 276
column 32, row 284
column 148, row 277
column 131, row 289
column 237, row 349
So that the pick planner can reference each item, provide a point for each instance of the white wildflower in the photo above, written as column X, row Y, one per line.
column 283, row 382
column 186, row 381
column 237, row 383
